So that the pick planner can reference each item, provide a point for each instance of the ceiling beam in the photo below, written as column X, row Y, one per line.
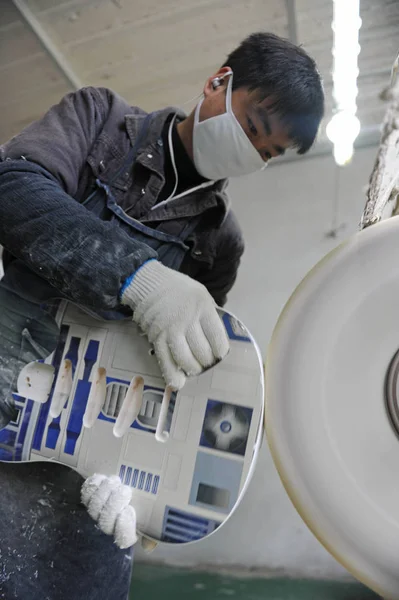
column 292, row 21
column 50, row 48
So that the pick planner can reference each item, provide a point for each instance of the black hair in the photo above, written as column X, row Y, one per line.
column 277, row 69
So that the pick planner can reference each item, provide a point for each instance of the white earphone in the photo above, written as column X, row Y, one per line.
column 217, row 82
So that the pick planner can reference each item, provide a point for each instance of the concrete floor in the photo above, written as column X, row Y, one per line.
column 167, row 584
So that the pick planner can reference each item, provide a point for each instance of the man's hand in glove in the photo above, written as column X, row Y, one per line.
column 180, row 319
column 108, row 502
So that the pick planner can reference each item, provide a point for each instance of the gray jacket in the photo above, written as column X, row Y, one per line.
column 57, row 159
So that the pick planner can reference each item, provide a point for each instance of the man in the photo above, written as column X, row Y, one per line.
column 126, row 214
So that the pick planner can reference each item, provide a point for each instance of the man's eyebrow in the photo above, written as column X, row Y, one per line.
column 263, row 116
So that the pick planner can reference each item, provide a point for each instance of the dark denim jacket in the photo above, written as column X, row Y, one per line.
column 87, row 136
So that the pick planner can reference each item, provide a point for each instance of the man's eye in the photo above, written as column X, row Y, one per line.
column 252, row 127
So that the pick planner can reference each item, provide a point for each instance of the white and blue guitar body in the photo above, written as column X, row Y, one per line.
column 186, row 481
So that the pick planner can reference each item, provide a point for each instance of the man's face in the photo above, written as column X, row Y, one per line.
column 266, row 133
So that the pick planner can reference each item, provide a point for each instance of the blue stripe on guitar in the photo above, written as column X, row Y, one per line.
column 141, row 480
column 44, row 409
column 75, row 422
column 148, row 482
column 135, row 477
column 155, row 485
column 180, row 527
column 7, row 444
column 54, row 428
column 128, row 475
column 227, row 320
column 12, row 437
column 8, row 437
column 23, row 429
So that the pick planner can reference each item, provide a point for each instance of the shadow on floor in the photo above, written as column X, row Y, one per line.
column 173, row 584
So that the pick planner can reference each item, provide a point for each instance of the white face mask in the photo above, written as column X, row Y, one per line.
column 221, row 148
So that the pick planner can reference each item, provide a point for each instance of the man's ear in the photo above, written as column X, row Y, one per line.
column 217, row 82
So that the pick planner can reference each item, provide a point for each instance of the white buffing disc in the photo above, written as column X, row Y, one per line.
column 332, row 387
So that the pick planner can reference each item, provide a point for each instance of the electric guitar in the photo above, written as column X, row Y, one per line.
column 99, row 404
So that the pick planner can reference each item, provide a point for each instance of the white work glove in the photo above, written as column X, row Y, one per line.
column 180, row 319
column 108, row 502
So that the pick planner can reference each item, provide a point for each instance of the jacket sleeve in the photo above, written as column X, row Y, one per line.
column 221, row 277
column 61, row 140
column 81, row 256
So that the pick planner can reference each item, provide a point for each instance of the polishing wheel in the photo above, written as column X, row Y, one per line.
column 332, row 403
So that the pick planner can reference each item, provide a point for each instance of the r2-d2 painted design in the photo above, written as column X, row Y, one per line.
column 184, row 488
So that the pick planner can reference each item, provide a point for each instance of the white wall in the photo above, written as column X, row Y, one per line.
column 285, row 213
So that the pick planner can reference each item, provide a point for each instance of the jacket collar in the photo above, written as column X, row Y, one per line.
column 151, row 156
column 151, row 153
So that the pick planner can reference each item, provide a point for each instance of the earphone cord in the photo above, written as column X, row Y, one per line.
column 172, row 158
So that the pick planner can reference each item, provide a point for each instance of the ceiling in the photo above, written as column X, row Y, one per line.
column 159, row 52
